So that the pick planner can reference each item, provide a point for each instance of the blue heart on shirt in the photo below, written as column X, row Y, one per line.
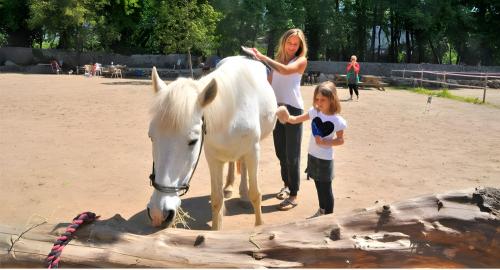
column 320, row 128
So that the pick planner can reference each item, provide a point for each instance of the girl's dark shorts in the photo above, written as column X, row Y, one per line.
column 319, row 169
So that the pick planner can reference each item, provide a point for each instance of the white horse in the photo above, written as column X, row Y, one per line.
column 238, row 107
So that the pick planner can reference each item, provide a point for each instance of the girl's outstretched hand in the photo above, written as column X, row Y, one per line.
column 282, row 114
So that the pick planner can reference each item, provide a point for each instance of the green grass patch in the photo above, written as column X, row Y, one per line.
column 443, row 93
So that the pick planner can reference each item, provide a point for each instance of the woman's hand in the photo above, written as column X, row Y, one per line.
column 258, row 55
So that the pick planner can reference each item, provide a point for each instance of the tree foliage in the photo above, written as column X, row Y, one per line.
column 184, row 25
column 412, row 31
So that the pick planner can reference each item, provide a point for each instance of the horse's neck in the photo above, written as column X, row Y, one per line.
column 220, row 112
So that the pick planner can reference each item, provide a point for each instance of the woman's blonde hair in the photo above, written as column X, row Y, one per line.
column 328, row 89
column 302, row 51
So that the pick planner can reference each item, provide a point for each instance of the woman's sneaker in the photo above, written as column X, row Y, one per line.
column 318, row 213
column 283, row 194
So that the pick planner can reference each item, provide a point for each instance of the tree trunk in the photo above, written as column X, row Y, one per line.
column 454, row 230
column 378, row 50
column 374, row 31
column 392, row 20
column 360, row 35
column 420, row 43
column 408, row 46
column 270, row 44
column 190, row 63
column 434, row 53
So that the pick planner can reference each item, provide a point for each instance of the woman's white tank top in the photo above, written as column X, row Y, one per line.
column 287, row 88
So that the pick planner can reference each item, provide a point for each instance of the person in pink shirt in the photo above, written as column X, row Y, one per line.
column 353, row 76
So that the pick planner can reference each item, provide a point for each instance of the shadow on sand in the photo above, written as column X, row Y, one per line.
column 199, row 211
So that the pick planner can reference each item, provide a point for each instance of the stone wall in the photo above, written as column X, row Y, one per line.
column 24, row 59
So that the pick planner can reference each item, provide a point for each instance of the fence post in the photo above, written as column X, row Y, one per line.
column 485, row 86
column 421, row 78
column 444, row 80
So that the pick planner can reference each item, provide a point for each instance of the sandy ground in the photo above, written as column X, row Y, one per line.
column 70, row 144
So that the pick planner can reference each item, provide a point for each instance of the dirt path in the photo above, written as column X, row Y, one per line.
column 70, row 144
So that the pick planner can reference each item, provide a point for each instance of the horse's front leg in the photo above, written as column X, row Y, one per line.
column 243, row 182
column 252, row 164
column 228, row 187
column 217, row 196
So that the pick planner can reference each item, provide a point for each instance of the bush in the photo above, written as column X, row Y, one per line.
column 3, row 38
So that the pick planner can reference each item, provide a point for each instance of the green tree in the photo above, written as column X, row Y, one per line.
column 69, row 22
column 116, row 23
column 186, row 25
column 84, row 24
column 281, row 15
column 13, row 24
column 486, row 40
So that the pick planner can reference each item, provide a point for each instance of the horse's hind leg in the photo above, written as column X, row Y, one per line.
column 252, row 163
column 228, row 187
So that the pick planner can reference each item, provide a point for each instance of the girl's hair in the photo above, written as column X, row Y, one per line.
column 302, row 51
column 328, row 89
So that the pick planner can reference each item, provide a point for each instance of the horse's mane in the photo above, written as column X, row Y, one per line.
column 173, row 108
column 173, row 105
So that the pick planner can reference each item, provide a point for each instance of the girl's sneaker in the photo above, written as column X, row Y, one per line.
column 318, row 213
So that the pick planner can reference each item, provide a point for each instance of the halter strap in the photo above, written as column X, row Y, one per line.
column 183, row 188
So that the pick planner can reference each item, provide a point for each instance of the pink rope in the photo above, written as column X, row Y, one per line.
column 53, row 257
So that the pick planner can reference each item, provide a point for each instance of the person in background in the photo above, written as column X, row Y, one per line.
column 353, row 76
column 287, row 69
column 327, row 128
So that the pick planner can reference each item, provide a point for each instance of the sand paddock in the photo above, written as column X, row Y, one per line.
column 70, row 144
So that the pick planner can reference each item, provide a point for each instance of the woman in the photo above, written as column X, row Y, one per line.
column 287, row 70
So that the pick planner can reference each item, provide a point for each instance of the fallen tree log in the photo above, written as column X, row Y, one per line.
column 457, row 229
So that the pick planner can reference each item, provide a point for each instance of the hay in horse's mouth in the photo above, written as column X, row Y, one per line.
column 181, row 219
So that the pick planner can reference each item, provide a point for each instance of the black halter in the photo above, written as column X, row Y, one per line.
column 183, row 188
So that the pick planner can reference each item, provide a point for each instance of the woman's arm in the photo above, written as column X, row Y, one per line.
column 299, row 66
column 339, row 140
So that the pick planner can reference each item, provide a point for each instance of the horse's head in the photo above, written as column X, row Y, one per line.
column 176, row 131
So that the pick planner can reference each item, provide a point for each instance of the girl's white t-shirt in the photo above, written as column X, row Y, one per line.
column 325, row 126
column 287, row 88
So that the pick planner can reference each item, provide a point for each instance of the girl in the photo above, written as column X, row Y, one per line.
column 287, row 70
column 327, row 128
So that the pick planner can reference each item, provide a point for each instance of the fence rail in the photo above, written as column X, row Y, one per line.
column 443, row 78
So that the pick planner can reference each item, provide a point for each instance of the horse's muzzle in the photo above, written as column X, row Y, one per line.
column 169, row 216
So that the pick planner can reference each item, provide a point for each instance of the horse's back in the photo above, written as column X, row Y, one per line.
column 243, row 86
column 253, row 91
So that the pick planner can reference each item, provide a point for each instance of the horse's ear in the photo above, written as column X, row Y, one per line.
column 208, row 94
column 158, row 84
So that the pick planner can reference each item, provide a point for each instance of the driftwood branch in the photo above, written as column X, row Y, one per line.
column 459, row 229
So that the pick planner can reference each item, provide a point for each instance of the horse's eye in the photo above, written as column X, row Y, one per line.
column 192, row 142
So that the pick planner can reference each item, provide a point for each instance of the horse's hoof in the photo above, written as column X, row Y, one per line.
column 228, row 194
